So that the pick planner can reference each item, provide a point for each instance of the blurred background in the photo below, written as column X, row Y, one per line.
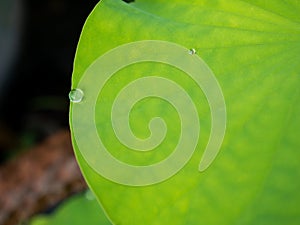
column 37, row 45
column 38, row 41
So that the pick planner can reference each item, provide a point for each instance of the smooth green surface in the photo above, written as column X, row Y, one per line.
column 167, row 91
column 253, row 48
column 78, row 210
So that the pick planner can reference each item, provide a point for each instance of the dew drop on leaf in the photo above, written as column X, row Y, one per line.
column 192, row 51
column 76, row 95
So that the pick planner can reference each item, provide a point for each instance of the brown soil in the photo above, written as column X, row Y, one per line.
column 38, row 179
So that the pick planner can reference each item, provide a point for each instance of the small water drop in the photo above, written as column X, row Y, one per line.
column 89, row 195
column 76, row 95
column 192, row 51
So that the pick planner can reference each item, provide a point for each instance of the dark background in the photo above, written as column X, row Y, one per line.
column 37, row 46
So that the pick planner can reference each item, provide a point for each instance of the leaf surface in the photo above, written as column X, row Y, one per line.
column 253, row 48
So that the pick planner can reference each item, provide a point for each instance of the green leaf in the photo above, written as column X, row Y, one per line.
column 253, row 48
column 75, row 211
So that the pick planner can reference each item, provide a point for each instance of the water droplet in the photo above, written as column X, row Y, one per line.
column 192, row 51
column 89, row 195
column 76, row 95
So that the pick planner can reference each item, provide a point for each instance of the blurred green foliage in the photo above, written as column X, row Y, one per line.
column 78, row 210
